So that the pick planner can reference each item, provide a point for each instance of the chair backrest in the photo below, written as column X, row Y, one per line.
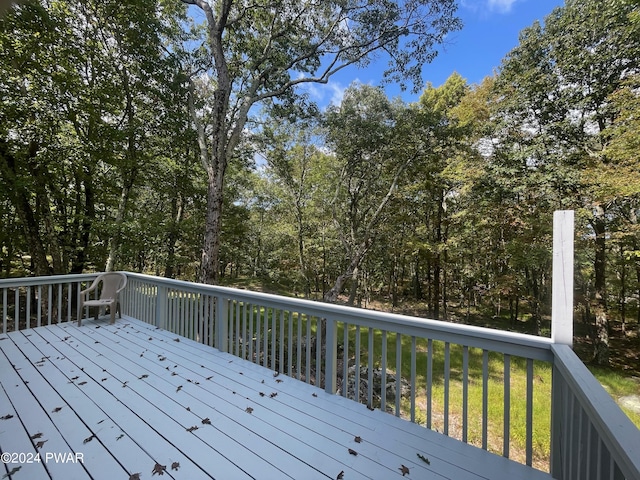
column 112, row 283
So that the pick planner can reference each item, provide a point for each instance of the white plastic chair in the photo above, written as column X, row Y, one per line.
column 112, row 284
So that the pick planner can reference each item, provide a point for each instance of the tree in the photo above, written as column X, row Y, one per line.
column 366, row 134
column 556, row 87
column 263, row 50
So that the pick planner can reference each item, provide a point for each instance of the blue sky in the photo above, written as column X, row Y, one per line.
column 490, row 31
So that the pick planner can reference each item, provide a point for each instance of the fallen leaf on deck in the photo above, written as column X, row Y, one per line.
column 6, row 417
column 314, row 394
column 262, row 394
column 75, row 378
column 188, row 409
column 357, row 440
column 142, row 376
column 56, row 410
column 159, row 469
column 404, row 470
column 191, row 429
column 249, row 410
column 88, row 439
column 119, row 436
column 125, row 384
column 150, row 338
column 36, row 435
column 173, row 374
column 206, row 421
column 82, row 383
column 176, row 339
column 278, row 380
column 41, row 443
column 161, row 358
column 340, row 475
column 209, row 378
column 274, row 394
column 134, row 476
column 175, row 466
column 179, row 388
column 103, row 379
column 424, row 459
column 353, row 452
column 14, row 470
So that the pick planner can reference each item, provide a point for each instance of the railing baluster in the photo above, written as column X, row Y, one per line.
column 49, row 303
column 447, row 369
column 318, row 375
column 39, row 308
column 4, row 310
column 465, row 393
column 383, row 367
column 265, row 339
column 356, row 389
column 345, row 358
column 290, row 344
column 244, row 330
column 281, row 368
column 16, row 310
column 28, row 309
column 429, row 381
column 398, row 372
column 308, row 349
column 485, row 396
column 299, row 347
column 250, row 338
column 506, row 436
column 413, row 379
column 370, row 365
column 258, row 333
column 529, row 420
column 68, row 302
column 238, row 308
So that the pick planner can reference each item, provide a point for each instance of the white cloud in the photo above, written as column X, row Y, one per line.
column 325, row 95
column 501, row 6
column 488, row 6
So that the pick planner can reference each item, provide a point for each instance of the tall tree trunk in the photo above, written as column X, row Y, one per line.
column 28, row 218
column 601, row 344
column 174, row 233
column 210, row 271
column 116, row 237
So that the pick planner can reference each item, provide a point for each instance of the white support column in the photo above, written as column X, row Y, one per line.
column 331, row 362
column 161, row 306
column 562, row 279
column 222, row 323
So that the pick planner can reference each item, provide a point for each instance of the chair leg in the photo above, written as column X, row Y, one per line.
column 112, row 312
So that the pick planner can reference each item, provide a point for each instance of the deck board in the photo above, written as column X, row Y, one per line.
column 128, row 395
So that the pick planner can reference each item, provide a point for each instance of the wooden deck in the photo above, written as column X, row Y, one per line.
column 112, row 401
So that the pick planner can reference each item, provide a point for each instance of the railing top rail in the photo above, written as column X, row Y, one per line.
column 46, row 280
column 618, row 433
column 524, row 345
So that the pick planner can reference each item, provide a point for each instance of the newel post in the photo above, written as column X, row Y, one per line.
column 161, row 306
column 222, row 323
column 561, row 333
column 331, row 355
column 562, row 278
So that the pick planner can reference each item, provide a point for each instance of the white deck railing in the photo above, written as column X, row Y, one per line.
column 340, row 349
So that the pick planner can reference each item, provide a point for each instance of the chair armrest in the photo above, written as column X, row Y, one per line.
column 91, row 288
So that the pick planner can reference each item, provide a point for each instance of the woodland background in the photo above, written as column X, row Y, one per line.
column 441, row 208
